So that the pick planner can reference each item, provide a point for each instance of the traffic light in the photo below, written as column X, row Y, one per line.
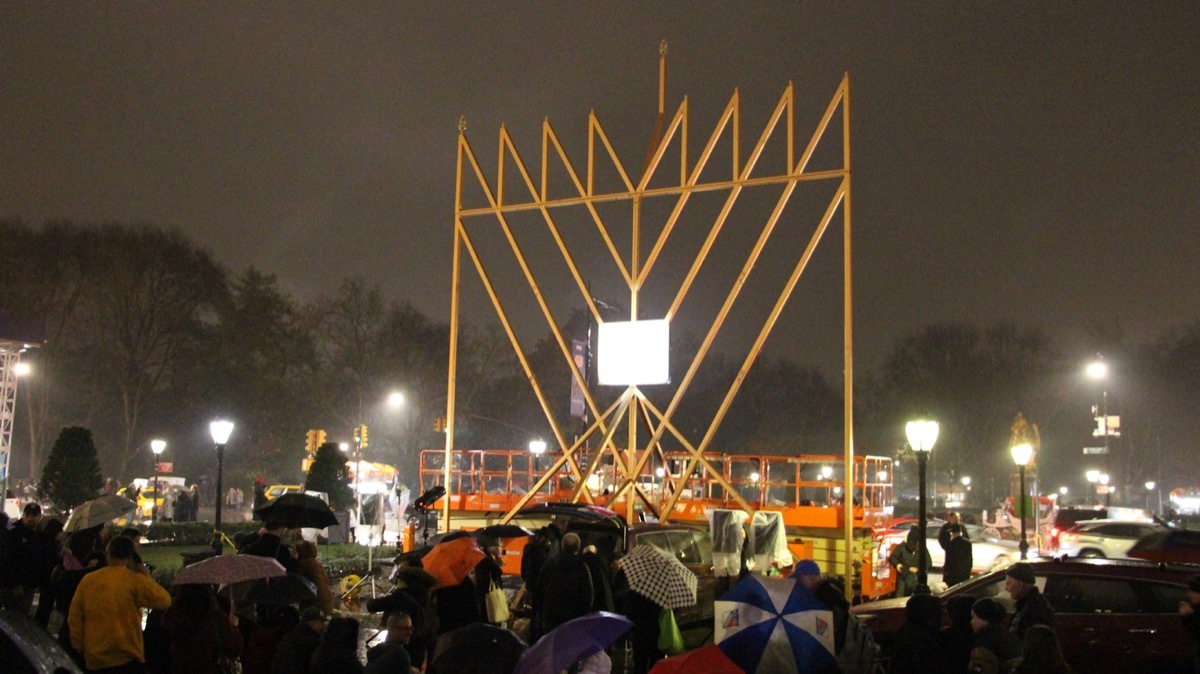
column 310, row 441
column 362, row 441
column 439, row 425
column 320, row 439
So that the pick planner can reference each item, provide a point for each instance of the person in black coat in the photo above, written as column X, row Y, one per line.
column 22, row 561
column 268, row 542
column 456, row 606
column 338, row 652
column 602, row 590
column 411, row 596
column 948, row 526
column 994, row 649
column 644, row 636
column 489, row 572
column 533, row 558
column 956, row 638
column 565, row 585
column 1032, row 607
column 295, row 651
column 183, row 506
column 916, row 649
column 959, row 559
column 51, row 536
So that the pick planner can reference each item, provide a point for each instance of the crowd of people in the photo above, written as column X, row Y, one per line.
column 977, row 640
column 92, row 592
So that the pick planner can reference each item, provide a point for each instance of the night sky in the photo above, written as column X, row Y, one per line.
column 1027, row 162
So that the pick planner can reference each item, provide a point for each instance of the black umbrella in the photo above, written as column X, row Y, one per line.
column 478, row 648
column 298, row 510
column 290, row 589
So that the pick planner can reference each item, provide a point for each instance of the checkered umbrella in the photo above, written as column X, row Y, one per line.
column 659, row 577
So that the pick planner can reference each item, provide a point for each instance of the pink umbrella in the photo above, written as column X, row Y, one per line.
column 227, row 569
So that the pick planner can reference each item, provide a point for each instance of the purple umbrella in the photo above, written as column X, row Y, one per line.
column 573, row 641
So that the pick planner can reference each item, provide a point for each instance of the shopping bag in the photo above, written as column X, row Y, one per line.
column 497, row 605
column 670, row 641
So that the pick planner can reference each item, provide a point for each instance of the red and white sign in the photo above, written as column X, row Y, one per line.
column 166, row 467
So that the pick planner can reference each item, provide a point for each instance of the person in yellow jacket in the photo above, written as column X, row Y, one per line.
column 106, row 613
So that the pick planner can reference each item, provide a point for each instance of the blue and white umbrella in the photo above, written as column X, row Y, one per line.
column 774, row 626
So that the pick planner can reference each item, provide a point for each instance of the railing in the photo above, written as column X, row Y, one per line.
column 806, row 488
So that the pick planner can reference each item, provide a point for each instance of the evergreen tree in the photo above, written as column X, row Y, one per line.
column 330, row 474
column 72, row 472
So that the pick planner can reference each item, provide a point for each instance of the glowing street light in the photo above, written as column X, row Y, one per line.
column 537, row 448
column 156, row 446
column 220, row 430
column 1021, row 455
column 395, row 400
column 921, row 436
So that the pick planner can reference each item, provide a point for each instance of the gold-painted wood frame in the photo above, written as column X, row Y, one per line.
column 632, row 407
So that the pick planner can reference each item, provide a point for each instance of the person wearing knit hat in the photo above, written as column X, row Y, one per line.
column 808, row 574
column 995, row 649
column 1032, row 607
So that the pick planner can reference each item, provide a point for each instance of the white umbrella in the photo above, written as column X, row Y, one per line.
column 659, row 577
column 98, row 511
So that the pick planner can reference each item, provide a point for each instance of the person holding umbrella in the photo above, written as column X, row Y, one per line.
column 268, row 542
column 199, row 631
column 489, row 573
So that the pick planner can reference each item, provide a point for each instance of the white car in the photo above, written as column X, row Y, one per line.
column 986, row 553
column 1104, row 538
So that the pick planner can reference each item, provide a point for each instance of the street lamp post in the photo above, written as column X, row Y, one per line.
column 1149, row 488
column 1093, row 478
column 220, row 429
column 156, row 446
column 921, row 436
column 1021, row 454
column 537, row 448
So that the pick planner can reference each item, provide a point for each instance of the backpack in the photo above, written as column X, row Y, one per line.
column 860, row 654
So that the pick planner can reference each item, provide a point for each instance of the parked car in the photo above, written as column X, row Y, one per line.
column 1110, row 615
column 277, row 490
column 1065, row 518
column 987, row 553
column 1104, row 538
column 608, row 532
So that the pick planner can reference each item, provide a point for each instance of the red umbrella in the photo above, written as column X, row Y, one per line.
column 451, row 561
column 706, row 660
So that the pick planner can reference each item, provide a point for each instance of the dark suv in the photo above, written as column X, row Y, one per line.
column 1065, row 518
column 1109, row 615
column 612, row 537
